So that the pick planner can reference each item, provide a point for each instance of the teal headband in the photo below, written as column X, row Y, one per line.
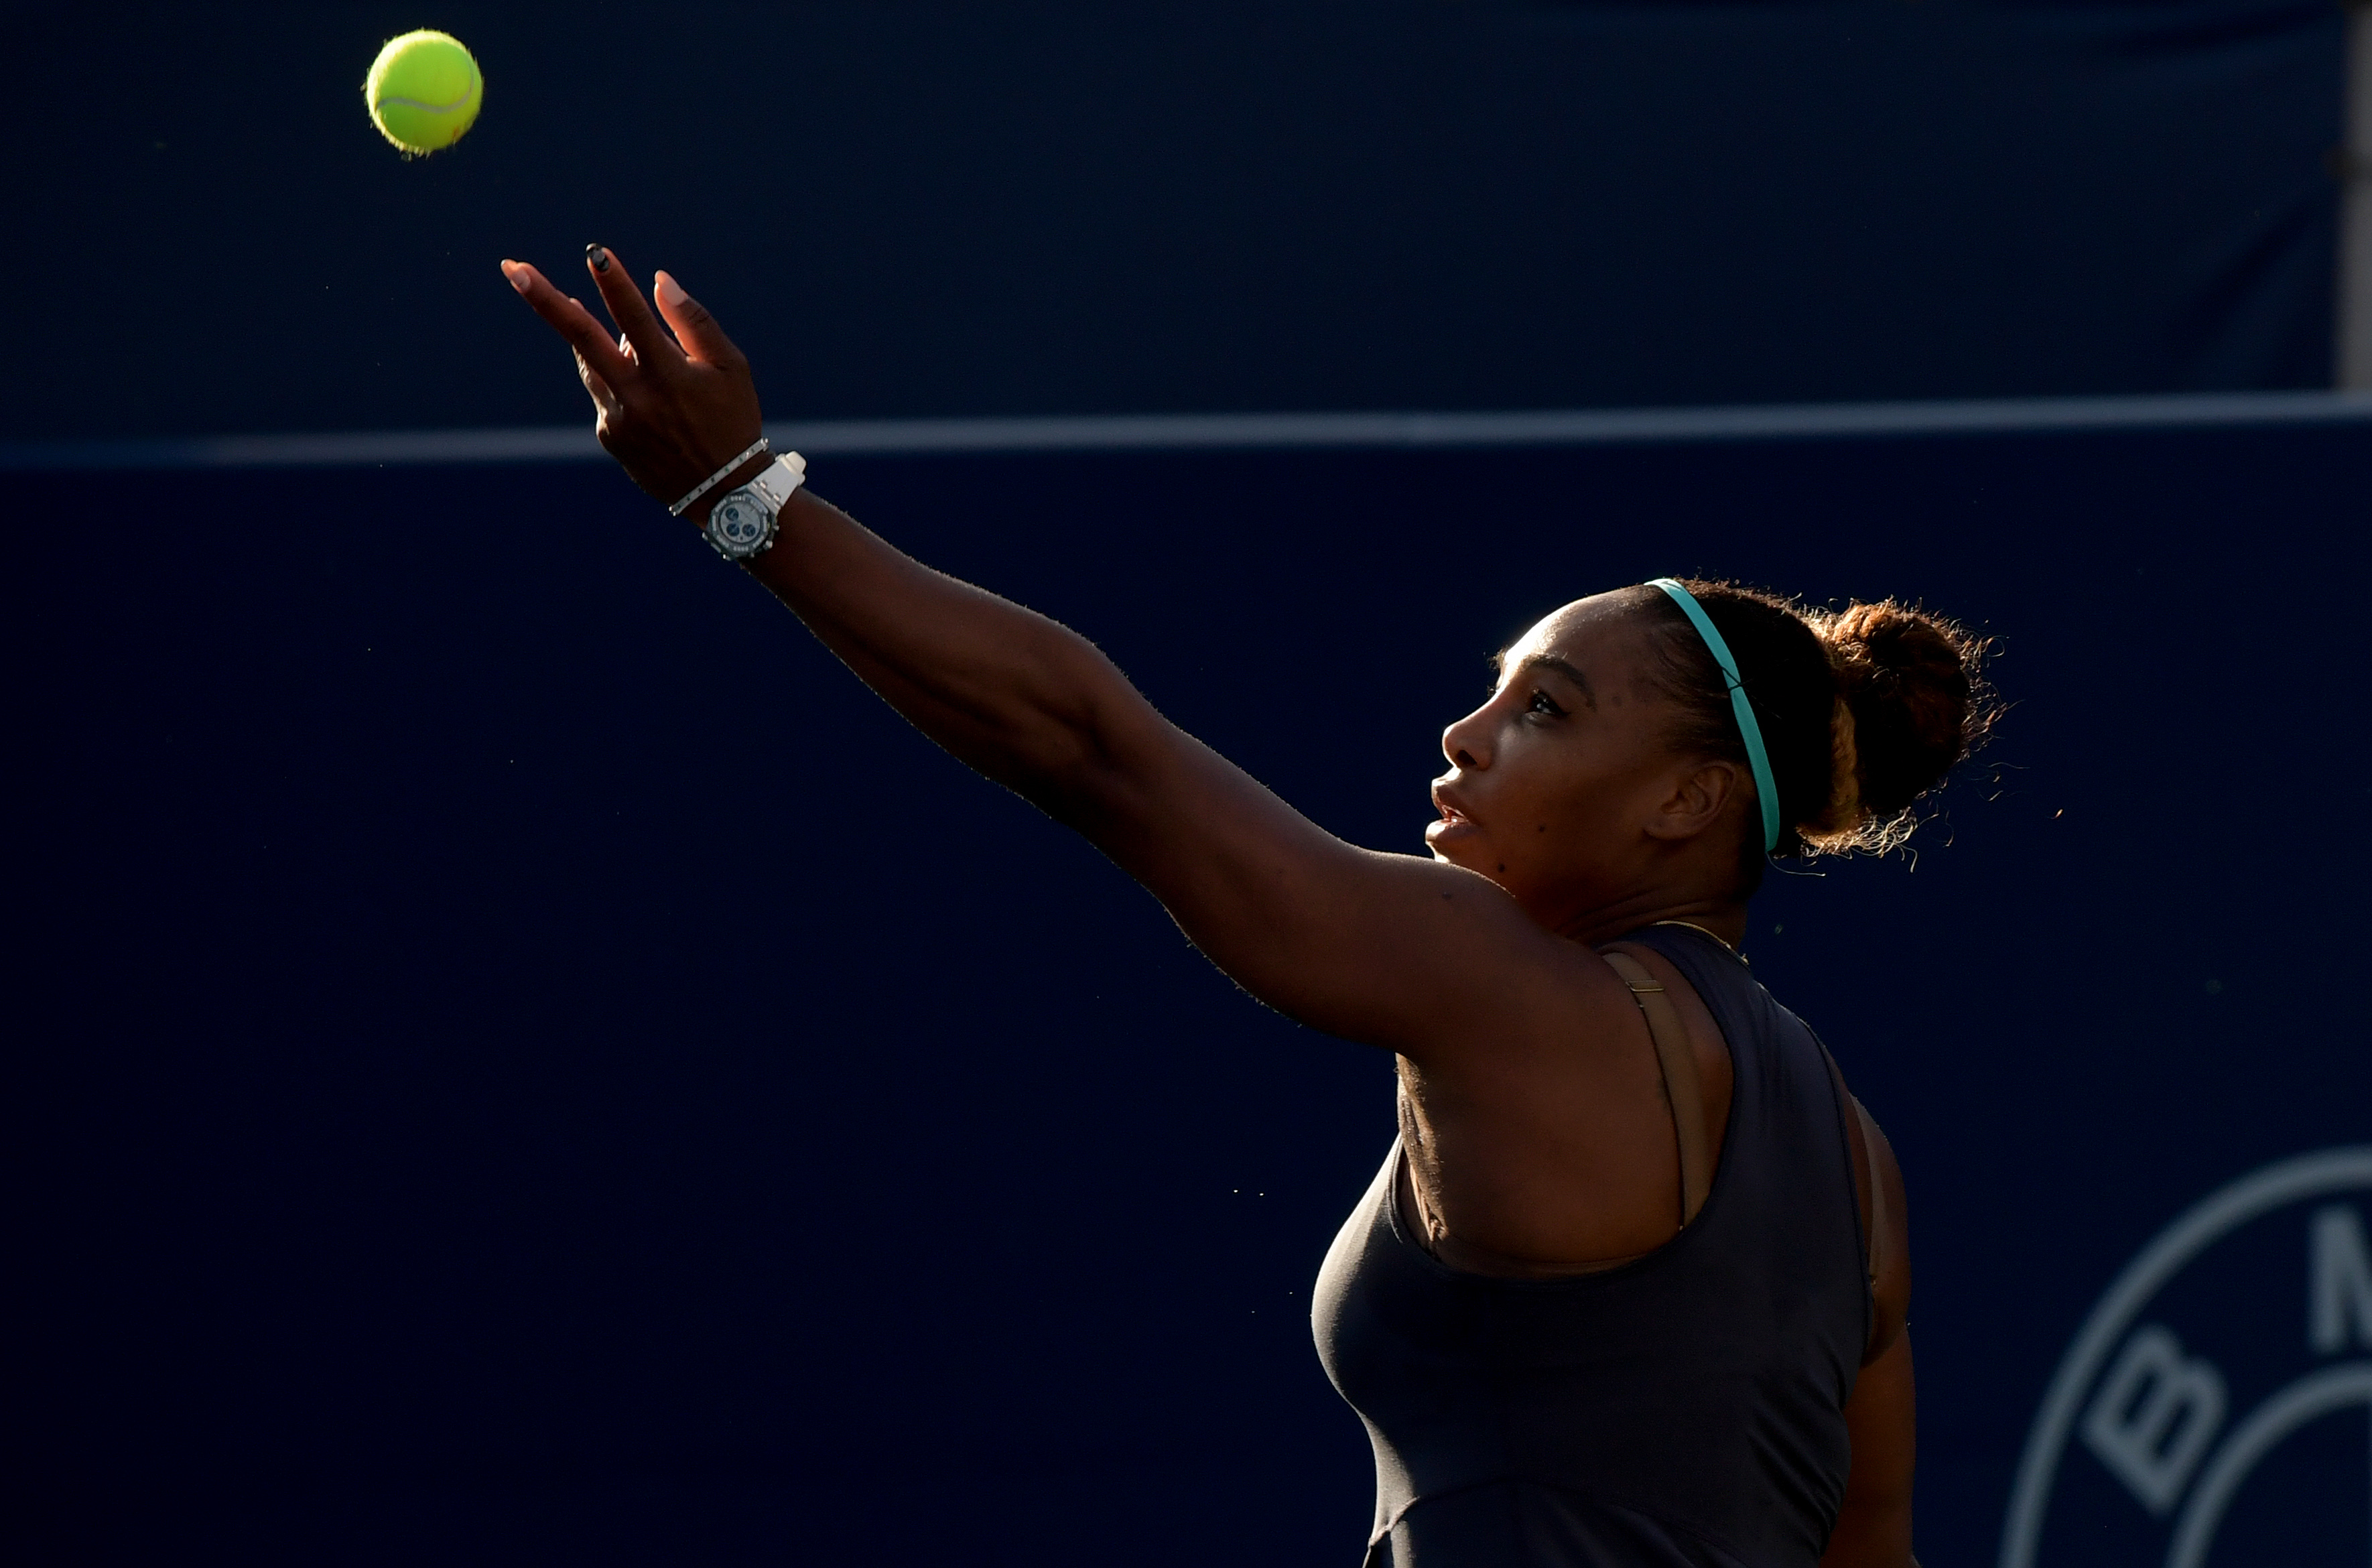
column 1766, row 790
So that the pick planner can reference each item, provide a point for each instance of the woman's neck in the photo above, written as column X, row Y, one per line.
column 1722, row 919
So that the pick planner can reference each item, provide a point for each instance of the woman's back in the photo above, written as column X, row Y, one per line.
column 1684, row 1407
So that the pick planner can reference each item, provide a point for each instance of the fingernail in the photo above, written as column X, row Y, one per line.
column 670, row 292
column 598, row 257
column 516, row 274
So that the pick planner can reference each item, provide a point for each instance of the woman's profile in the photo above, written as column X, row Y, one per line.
column 1630, row 1288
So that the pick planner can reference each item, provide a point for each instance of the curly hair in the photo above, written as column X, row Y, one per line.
column 1863, row 710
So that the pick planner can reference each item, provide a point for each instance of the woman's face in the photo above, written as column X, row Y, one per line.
column 1562, row 787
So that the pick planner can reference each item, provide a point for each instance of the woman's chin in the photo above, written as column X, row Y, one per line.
column 1450, row 840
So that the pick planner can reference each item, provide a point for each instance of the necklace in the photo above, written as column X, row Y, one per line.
column 1701, row 930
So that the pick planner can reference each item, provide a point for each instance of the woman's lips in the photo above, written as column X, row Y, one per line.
column 1454, row 820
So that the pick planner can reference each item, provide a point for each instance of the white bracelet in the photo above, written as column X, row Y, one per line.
column 711, row 482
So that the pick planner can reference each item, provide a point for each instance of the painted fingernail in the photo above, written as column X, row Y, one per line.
column 670, row 292
column 516, row 274
column 598, row 257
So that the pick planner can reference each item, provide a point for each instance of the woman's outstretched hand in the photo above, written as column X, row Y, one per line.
column 670, row 406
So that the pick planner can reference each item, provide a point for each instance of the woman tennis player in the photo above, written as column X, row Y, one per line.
column 1631, row 1287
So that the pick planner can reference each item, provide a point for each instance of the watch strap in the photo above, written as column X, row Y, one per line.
column 778, row 479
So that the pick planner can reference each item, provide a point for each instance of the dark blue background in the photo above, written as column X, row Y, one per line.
column 516, row 1058
column 1047, row 207
column 519, row 1058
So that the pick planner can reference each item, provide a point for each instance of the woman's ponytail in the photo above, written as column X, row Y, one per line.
column 1862, row 711
column 1914, row 705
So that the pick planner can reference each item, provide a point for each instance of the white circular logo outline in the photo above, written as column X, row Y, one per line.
column 2286, row 1181
column 2316, row 1394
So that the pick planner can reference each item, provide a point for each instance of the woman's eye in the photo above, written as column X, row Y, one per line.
column 1542, row 703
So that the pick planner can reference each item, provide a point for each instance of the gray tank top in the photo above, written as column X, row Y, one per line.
column 1687, row 1408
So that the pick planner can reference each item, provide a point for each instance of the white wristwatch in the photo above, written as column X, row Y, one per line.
column 741, row 523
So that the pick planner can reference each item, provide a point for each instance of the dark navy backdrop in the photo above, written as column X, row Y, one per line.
column 530, row 1062
column 1048, row 206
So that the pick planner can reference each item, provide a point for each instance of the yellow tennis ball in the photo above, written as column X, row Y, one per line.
column 423, row 90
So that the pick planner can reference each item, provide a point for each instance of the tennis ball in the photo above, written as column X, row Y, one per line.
column 424, row 91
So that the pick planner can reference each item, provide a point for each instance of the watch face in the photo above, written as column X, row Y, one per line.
column 740, row 523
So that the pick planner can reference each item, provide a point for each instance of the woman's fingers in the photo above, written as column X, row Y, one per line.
column 668, row 419
column 603, row 397
column 629, row 309
column 570, row 319
column 701, row 338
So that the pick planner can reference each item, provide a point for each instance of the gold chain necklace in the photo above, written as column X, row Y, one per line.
column 1701, row 930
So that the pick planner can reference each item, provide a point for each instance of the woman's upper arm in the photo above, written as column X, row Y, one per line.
column 1390, row 949
column 1890, row 1292
column 1874, row 1527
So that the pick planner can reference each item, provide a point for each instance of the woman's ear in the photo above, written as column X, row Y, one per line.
column 1695, row 802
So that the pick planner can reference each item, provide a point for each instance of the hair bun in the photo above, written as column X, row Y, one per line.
column 1910, row 680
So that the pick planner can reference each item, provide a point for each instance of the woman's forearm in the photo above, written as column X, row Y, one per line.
column 1023, row 700
column 1017, row 696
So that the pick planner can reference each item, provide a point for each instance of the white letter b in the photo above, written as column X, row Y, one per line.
column 2155, row 1416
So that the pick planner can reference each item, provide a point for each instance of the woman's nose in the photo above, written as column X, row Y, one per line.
column 1467, row 743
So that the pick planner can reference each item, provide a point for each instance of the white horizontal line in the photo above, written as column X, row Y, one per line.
column 1213, row 432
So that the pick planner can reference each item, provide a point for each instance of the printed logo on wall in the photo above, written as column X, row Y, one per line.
column 2215, row 1408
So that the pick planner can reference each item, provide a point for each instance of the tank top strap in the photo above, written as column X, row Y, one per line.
column 1677, row 1060
column 1745, row 1015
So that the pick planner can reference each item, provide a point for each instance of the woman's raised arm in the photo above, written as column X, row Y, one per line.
column 1394, row 950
